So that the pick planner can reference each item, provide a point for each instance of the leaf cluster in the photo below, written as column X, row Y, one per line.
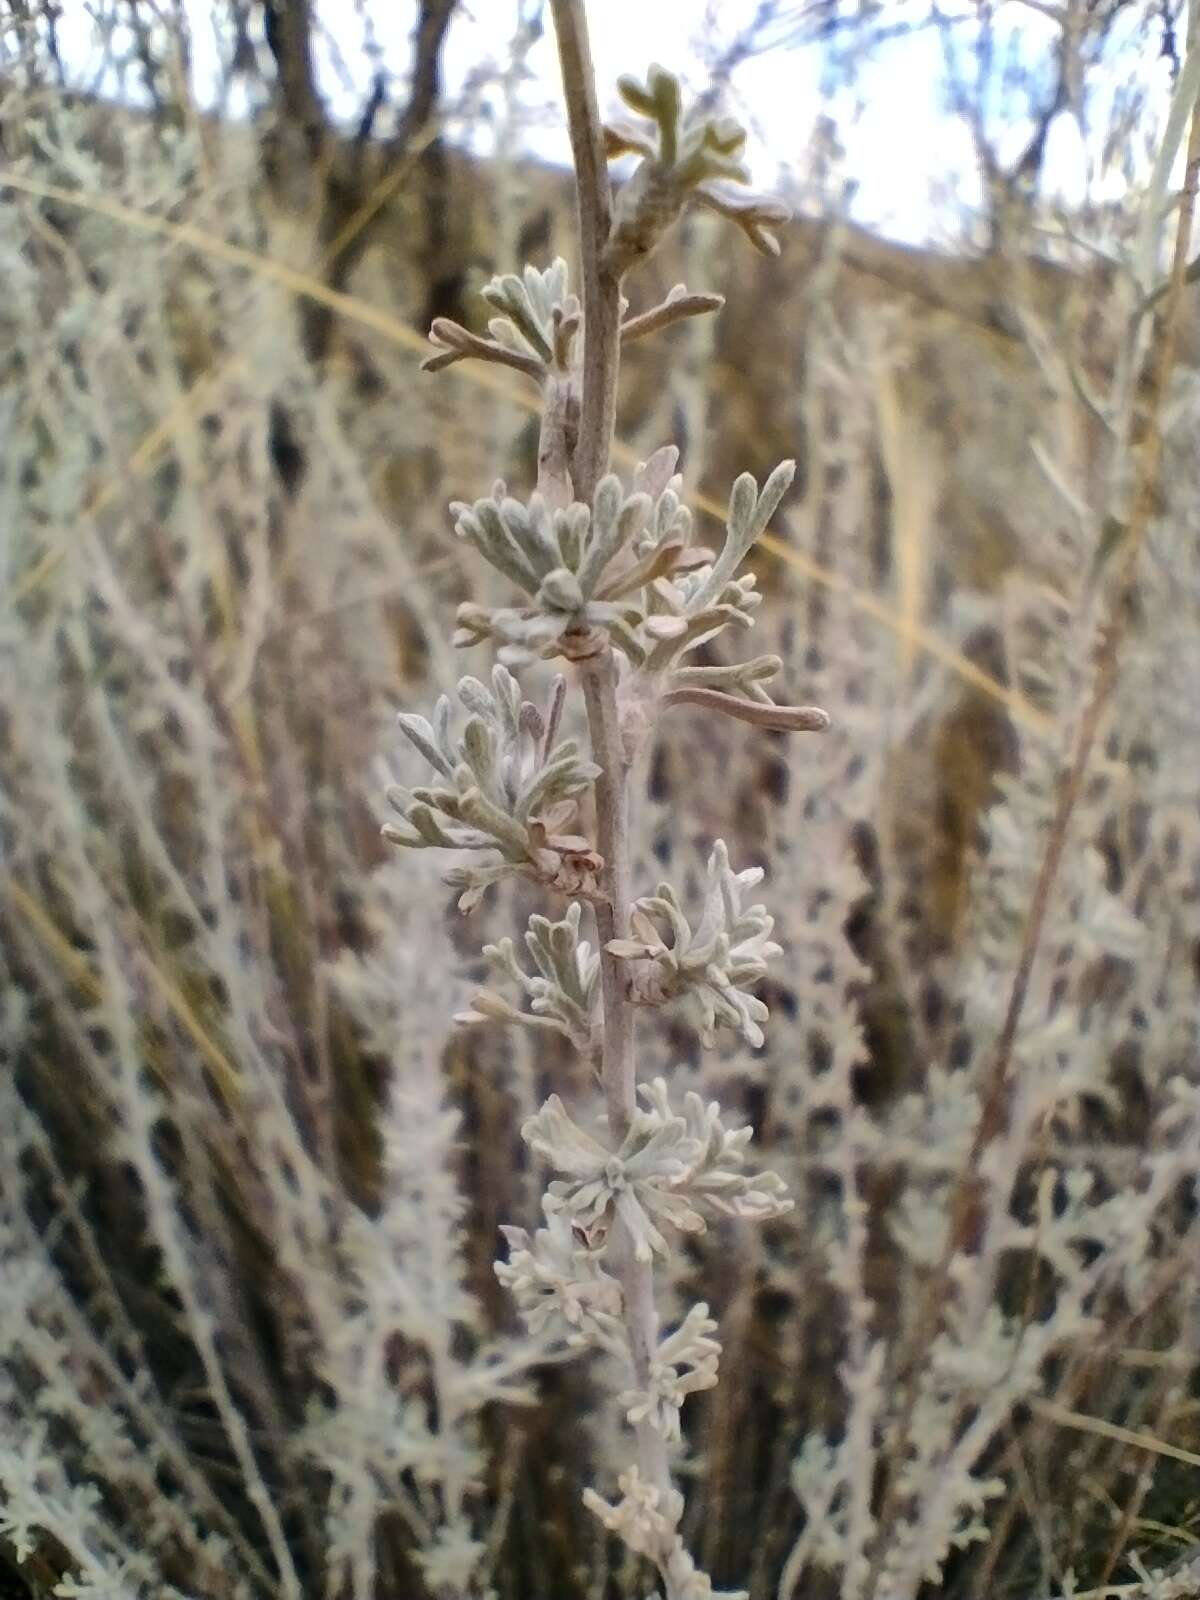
column 507, row 786
column 670, row 1170
column 713, row 963
column 690, row 157
column 534, row 331
column 563, row 995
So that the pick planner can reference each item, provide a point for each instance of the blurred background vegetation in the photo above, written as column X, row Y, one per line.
column 225, row 562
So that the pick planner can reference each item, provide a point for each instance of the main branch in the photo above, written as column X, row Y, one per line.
column 601, row 284
column 601, row 357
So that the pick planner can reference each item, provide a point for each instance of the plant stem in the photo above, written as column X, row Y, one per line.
column 601, row 297
column 612, row 913
column 601, row 285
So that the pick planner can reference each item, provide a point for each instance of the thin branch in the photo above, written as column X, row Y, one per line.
column 288, row 31
column 754, row 214
column 456, row 343
column 612, row 914
column 780, row 719
column 429, row 35
column 678, row 305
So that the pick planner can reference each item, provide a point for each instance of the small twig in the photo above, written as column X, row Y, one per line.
column 678, row 305
column 781, row 719
column 456, row 343
column 753, row 214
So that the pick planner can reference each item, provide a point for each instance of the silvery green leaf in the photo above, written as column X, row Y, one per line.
column 508, row 294
column 740, row 516
column 665, row 628
column 657, row 562
column 505, row 791
column 531, row 531
column 701, row 626
column 511, row 838
column 717, row 1183
column 420, row 733
column 475, row 880
column 641, row 1517
column 669, row 519
column 543, row 526
column 442, row 713
column 612, row 620
column 742, row 675
column 506, row 528
column 475, row 698
column 749, row 513
column 571, row 525
column 554, row 1135
column 540, row 947
column 561, row 591
column 429, row 827
column 635, row 96
column 528, row 305
column 773, row 491
column 555, row 1281
column 564, row 991
column 689, row 158
column 632, row 517
column 482, row 526
column 712, row 962
column 535, row 292
column 564, row 775
column 604, row 540
column 653, row 476
column 479, row 749
column 554, row 282
column 684, row 1362
column 560, row 560
column 563, row 958
column 443, row 800
column 531, row 723
column 406, row 841
column 642, row 1183
column 503, row 331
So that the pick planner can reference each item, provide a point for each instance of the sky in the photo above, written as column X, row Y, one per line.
column 907, row 157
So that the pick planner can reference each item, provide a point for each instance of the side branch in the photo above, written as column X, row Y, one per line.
column 780, row 719
column 456, row 343
column 678, row 305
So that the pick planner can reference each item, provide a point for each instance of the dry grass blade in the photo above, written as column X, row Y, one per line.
column 1064, row 1417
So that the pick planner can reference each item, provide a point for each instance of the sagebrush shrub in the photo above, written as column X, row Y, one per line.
column 254, row 1340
